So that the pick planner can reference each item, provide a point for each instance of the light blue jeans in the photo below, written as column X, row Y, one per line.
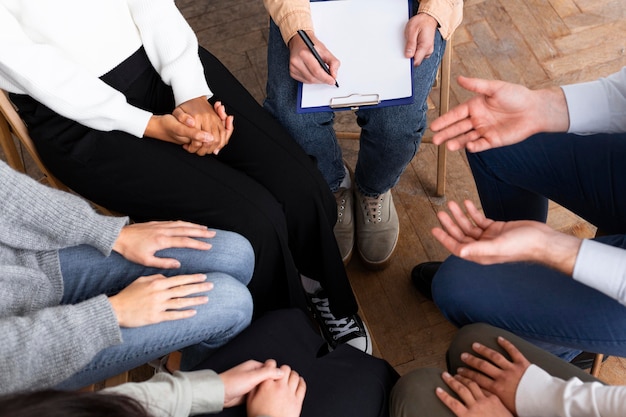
column 228, row 264
column 390, row 136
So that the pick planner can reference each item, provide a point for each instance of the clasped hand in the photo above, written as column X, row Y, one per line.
column 198, row 126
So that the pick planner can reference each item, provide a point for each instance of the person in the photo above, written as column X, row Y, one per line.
column 242, row 378
column 390, row 136
column 86, row 296
column 493, row 373
column 122, row 118
column 525, row 147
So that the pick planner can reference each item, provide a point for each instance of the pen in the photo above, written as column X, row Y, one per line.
column 309, row 44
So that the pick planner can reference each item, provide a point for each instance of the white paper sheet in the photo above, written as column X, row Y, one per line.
column 367, row 36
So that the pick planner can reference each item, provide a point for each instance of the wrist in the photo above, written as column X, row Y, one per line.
column 552, row 110
column 559, row 252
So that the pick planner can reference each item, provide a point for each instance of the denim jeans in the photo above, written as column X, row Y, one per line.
column 390, row 136
column 585, row 174
column 537, row 303
column 228, row 265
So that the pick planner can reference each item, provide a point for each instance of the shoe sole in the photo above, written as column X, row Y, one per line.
column 347, row 258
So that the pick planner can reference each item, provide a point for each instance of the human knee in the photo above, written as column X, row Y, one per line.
column 414, row 394
column 229, row 299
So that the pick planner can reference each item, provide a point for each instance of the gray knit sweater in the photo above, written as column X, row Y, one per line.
column 44, row 343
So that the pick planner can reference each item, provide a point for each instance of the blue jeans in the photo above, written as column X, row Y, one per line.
column 584, row 174
column 545, row 307
column 390, row 136
column 228, row 264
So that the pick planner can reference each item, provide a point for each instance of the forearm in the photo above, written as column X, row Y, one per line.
column 557, row 251
column 549, row 110
column 541, row 394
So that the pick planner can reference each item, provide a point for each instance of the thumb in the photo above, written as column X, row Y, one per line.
column 477, row 85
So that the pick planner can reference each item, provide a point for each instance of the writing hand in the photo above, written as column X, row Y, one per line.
column 241, row 379
column 140, row 241
column 199, row 113
column 155, row 298
column 473, row 401
column 304, row 67
column 500, row 114
column 476, row 238
column 281, row 397
column 497, row 375
column 419, row 33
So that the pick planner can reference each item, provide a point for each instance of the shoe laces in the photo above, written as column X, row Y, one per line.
column 340, row 198
column 338, row 327
column 372, row 208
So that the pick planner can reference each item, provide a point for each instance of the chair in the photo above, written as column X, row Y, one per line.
column 11, row 125
column 443, row 83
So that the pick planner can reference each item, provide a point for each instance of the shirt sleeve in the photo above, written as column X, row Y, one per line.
column 44, row 73
column 178, row 395
column 448, row 13
column 540, row 394
column 602, row 267
column 597, row 106
column 171, row 46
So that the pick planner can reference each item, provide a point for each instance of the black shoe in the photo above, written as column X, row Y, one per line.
column 350, row 330
column 584, row 360
column 422, row 277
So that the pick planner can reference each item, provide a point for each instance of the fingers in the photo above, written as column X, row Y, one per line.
column 513, row 352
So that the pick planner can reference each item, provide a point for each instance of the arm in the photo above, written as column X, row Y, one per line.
column 500, row 114
column 36, row 217
column 539, row 393
column 45, row 347
column 71, row 90
column 198, row 392
column 598, row 106
column 527, row 390
column 447, row 13
column 473, row 237
column 179, row 395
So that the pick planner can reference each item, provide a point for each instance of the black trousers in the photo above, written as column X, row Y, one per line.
column 345, row 382
column 262, row 185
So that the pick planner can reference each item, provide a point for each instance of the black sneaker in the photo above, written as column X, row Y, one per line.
column 422, row 277
column 350, row 330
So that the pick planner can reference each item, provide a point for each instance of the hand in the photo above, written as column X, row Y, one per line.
column 474, row 402
column 499, row 376
column 199, row 113
column 501, row 114
column 419, row 33
column 167, row 128
column 140, row 241
column 241, row 379
column 473, row 237
column 278, row 398
column 304, row 67
column 155, row 298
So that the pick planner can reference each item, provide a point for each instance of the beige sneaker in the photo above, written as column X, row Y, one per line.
column 377, row 229
column 344, row 228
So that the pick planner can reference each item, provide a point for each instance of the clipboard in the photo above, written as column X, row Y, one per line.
column 367, row 36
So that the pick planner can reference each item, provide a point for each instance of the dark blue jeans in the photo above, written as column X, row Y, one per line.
column 585, row 174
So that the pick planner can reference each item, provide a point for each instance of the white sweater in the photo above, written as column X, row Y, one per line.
column 55, row 51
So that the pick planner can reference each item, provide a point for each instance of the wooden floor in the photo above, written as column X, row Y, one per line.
column 534, row 42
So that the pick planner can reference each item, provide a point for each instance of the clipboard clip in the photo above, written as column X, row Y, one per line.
column 354, row 101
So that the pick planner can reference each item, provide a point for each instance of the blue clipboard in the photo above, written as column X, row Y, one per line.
column 368, row 38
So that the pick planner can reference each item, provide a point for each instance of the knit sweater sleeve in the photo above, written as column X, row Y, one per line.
column 182, row 394
column 36, row 217
column 44, row 347
column 172, row 47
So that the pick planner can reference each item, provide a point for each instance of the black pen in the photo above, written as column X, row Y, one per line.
column 309, row 44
